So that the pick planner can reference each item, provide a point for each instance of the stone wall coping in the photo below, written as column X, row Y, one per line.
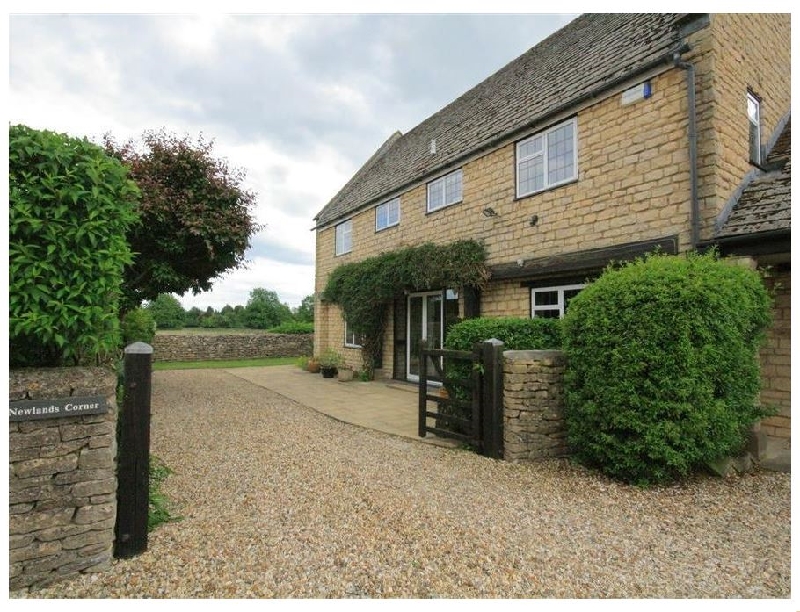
column 533, row 355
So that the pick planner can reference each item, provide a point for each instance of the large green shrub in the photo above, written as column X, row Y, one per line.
column 663, row 373
column 70, row 206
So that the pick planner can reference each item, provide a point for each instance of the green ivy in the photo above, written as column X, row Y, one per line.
column 364, row 290
column 70, row 206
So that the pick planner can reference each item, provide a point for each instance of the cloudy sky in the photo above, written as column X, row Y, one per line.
column 298, row 101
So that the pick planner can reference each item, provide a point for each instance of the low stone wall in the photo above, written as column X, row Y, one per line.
column 533, row 399
column 199, row 347
column 62, row 479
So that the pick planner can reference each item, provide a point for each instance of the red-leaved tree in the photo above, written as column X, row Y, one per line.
column 196, row 218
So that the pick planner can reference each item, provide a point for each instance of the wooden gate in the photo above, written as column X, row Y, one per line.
column 469, row 404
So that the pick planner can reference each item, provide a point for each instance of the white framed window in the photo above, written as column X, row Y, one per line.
column 387, row 214
column 552, row 302
column 344, row 237
column 352, row 339
column 548, row 158
column 445, row 190
column 754, row 116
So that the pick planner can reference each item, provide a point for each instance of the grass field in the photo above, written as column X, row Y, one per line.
column 223, row 363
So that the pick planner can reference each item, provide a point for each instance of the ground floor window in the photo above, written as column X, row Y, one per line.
column 352, row 339
column 552, row 302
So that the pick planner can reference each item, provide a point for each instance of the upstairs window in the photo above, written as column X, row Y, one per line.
column 552, row 302
column 444, row 191
column 387, row 214
column 344, row 237
column 547, row 159
column 754, row 115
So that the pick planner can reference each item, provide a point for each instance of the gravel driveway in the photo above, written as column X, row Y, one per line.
column 281, row 501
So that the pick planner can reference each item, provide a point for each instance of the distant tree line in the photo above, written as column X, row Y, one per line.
column 264, row 310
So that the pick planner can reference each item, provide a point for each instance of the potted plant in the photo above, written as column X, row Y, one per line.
column 313, row 365
column 345, row 373
column 329, row 361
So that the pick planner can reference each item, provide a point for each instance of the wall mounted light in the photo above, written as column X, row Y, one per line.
column 534, row 220
column 490, row 212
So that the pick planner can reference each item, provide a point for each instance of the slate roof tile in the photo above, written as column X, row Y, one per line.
column 765, row 203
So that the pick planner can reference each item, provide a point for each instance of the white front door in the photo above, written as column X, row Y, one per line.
column 425, row 322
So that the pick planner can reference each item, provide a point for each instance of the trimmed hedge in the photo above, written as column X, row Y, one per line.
column 70, row 208
column 663, row 373
column 517, row 334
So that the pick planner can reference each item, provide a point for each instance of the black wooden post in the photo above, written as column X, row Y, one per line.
column 422, row 427
column 133, row 465
column 493, row 398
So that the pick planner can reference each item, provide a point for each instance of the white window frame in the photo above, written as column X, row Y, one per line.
column 447, row 199
column 561, row 303
column 543, row 154
column 350, row 338
column 388, row 206
column 344, row 232
column 754, row 118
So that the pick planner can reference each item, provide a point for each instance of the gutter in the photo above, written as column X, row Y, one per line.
column 692, row 120
column 669, row 57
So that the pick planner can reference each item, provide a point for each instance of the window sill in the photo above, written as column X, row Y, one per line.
column 434, row 211
column 553, row 188
column 388, row 227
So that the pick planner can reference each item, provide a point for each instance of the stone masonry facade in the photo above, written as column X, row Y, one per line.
column 199, row 347
column 633, row 176
column 776, row 361
column 62, row 480
column 533, row 398
column 633, row 172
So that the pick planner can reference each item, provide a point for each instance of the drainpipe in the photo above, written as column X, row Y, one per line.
column 690, row 87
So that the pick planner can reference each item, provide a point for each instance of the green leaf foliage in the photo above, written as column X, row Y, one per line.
column 138, row 326
column 364, row 290
column 293, row 327
column 663, row 373
column 70, row 206
column 264, row 310
column 516, row 334
column 196, row 216
column 167, row 312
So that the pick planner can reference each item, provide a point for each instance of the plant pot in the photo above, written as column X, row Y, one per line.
column 345, row 374
column 313, row 367
column 327, row 371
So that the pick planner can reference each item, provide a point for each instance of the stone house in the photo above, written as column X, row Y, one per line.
column 617, row 134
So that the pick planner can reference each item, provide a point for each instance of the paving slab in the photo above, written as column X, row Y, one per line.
column 387, row 406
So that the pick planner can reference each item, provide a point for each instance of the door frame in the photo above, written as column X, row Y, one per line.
column 409, row 341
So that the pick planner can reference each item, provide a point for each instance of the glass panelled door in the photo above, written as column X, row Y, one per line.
column 425, row 322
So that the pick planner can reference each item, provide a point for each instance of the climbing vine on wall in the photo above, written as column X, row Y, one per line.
column 365, row 289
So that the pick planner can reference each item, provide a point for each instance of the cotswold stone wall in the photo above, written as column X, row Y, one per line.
column 197, row 347
column 533, row 398
column 62, row 479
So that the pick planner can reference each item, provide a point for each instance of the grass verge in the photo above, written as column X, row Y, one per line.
column 159, row 503
column 235, row 363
